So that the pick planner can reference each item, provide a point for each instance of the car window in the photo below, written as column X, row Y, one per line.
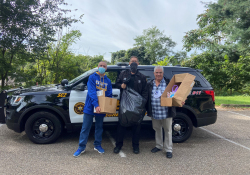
column 199, row 82
column 148, row 73
column 85, row 74
column 112, row 75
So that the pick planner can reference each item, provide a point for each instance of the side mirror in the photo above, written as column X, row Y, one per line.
column 64, row 82
column 82, row 87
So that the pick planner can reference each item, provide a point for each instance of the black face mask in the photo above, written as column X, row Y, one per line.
column 133, row 67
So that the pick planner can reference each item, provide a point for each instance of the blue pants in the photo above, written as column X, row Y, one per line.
column 86, row 126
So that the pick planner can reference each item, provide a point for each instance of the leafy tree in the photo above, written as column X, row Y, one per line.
column 123, row 59
column 140, row 52
column 221, row 72
column 60, row 58
column 244, row 67
column 56, row 64
column 178, row 57
column 157, row 45
column 117, row 55
column 223, row 28
column 94, row 60
column 164, row 62
column 27, row 26
column 233, row 75
column 211, row 66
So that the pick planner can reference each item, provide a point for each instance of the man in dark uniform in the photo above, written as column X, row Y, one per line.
column 137, row 81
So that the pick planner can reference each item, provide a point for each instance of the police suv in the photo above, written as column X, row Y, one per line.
column 44, row 111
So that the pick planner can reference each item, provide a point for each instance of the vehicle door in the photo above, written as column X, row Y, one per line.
column 149, row 73
column 113, row 74
column 78, row 96
column 3, row 97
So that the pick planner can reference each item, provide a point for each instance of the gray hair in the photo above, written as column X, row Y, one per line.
column 159, row 67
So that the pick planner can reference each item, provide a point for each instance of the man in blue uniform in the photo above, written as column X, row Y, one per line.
column 97, row 81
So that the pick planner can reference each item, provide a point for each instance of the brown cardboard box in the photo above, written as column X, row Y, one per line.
column 107, row 104
column 185, row 82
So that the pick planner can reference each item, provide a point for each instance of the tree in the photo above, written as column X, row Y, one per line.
column 117, row 55
column 223, row 28
column 178, row 57
column 211, row 66
column 27, row 26
column 123, row 59
column 57, row 63
column 140, row 52
column 164, row 62
column 93, row 61
column 60, row 58
column 157, row 45
column 220, row 72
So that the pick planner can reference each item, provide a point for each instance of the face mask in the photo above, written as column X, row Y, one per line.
column 133, row 67
column 101, row 70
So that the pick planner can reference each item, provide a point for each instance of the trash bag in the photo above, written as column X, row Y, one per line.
column 132, row 108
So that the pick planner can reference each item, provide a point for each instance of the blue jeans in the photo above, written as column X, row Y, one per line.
column 86, row 126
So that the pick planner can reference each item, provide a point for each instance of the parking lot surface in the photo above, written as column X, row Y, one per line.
column 221, row 148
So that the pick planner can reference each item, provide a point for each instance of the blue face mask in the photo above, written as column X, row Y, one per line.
column 101, row 70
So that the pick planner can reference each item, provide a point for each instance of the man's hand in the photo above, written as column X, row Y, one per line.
column 182, row 103
column 98, row 109
column 123, row 86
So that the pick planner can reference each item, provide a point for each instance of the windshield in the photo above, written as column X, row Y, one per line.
column 85, row 74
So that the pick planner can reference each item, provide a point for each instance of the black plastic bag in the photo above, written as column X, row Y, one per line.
column 132, row 108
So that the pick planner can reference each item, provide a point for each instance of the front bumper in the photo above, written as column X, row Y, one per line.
column 13, row 126
column 12, row 120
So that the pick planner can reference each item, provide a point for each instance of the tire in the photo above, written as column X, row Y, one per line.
column 43, row 127
column 182, row 128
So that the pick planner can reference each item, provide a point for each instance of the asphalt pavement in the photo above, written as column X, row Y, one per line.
column 221, row 148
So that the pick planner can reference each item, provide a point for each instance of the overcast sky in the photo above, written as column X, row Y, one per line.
column 112, row 25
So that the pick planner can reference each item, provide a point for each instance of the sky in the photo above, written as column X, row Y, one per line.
column 112, row 25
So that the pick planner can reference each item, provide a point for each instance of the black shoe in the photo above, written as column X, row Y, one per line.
column 155, row 149
column 117, row 149
column 136, row 150
column 169, row 155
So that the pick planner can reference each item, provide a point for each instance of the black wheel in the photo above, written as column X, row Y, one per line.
column 182, row 128
column 43, row 127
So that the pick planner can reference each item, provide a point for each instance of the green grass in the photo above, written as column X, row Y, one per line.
column 239, row 100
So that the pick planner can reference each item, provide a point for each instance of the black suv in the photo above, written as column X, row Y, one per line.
column 43, row 111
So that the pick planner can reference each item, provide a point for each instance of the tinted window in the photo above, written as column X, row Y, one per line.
column 112, row 75
column 148, row 73
column 199, row 82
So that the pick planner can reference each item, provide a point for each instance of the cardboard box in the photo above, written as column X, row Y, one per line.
column 185, row 84
column 107, row 104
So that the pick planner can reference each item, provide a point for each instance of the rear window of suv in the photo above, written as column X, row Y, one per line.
column 148, row 73
column 199, row 82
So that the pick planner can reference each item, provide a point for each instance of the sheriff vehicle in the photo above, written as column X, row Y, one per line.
column 44, row 111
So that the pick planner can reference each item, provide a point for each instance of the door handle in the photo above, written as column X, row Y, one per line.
column 114, row 95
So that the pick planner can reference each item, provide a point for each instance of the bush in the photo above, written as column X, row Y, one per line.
column 230, row 92
column 246, row 89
